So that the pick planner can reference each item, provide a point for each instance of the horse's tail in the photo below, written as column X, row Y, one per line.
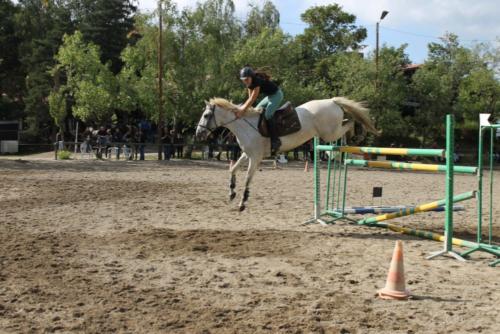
column 358, row 111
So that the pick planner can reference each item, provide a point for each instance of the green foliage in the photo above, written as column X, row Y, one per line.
column 106, row 66
column 91, row 83
column 105, row 24
column 63, row 155
column 259, row 19
column 57, row 107
column 330, row 30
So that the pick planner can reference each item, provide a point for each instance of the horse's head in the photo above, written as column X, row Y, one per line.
column 207, row 122
column 217, row 113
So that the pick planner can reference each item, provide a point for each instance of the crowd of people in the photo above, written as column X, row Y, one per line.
column 131, row 142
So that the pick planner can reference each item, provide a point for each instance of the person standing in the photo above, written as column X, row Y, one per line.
column 179, row 141
column 166, row 140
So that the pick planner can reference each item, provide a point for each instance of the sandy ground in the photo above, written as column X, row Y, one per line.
column 148, row 247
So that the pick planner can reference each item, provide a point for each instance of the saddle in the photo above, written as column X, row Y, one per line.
column 286, row 118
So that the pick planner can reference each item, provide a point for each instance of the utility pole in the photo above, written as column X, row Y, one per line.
column 160, row 80
column 384, row 14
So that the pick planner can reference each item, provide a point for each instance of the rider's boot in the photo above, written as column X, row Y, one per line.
column 273, row 134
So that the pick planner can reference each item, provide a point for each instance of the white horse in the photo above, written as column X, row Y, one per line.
column 323, row 118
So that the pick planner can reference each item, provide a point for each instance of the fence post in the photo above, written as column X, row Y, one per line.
column 448, row 226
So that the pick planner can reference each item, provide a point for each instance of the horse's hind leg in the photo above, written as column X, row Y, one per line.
column 345, row 129
column 232, row 183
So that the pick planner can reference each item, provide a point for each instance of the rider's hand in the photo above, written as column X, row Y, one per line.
column 240, row 112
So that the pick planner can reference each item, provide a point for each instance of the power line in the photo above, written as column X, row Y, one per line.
column 432, row 37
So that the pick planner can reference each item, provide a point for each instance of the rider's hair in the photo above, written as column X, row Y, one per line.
column 263, row 73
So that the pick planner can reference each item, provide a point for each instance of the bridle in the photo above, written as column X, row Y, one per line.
column 211, row 116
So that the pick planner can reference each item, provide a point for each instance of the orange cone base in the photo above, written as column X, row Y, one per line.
column 393, row 294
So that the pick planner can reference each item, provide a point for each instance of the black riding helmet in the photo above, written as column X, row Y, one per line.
column 246, row 72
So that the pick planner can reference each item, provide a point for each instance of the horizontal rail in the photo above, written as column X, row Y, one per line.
column 409, row 166
column 394, row 151
column 417, row 209
column 437, row 237
column 427, row 152
column 361, row 210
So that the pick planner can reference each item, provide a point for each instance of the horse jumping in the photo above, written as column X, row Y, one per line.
column 323, row 118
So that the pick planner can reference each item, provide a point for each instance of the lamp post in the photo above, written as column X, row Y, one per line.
column 384, row 14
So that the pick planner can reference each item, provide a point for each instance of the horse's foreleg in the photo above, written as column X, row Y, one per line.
column 252, row 167
column 232, row 183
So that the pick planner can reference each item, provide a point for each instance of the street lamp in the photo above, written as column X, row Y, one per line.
column 384, row 14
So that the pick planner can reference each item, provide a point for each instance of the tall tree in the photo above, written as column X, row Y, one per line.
column 40, row 24
column 258, row 19
column 106, row 24
column 89, row 83
column 330, row 30
column 11, row 75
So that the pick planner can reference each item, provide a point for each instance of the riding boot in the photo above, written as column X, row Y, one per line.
column 273, row 134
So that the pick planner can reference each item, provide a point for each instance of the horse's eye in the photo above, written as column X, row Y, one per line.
column 205, row 116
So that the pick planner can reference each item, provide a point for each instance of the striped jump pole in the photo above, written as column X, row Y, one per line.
column 424, row 152
column 438, row 237
column 363, row 210
column 409, row 166
column 420, row 208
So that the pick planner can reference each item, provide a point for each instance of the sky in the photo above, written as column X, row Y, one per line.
column 416, row 23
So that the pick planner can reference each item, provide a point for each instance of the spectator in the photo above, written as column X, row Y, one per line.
column 116, row 139
column 211, row 146
column 179, row 141
column 167, row 143
column 128, row 139
column 141, row 140
column 109, row 139
column 145, row 127
column 101, row 140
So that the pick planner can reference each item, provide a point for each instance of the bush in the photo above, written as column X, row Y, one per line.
column 63, row 155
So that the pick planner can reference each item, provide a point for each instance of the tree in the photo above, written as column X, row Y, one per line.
column 330, row 30
column 58, row 109
column 90, row 83
column 40, row 26
column 106, row 24
column 258, row 19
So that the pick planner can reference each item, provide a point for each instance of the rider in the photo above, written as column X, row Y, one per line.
column 260, row 82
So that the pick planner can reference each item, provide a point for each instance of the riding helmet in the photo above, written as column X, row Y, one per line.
column 246, row 72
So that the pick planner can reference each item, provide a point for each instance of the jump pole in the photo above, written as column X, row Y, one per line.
column 423, row 152
column 363, row 210
column 437, row 237
column 409, row 166
column 421, row 208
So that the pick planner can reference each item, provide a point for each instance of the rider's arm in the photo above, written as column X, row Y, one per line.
column 253, row 94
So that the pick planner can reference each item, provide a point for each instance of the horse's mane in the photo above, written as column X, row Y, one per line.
column 228, row 105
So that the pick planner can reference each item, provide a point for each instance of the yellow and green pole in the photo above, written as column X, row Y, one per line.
column 420, row 208
column 424, row 152
column 409, row 166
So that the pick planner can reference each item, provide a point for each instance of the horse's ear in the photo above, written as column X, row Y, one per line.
column 207, row 103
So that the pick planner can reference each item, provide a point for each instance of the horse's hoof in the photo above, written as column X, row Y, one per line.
column 232, row 196
column 242, row 207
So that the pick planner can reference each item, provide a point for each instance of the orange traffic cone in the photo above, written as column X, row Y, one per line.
column 306, row 167
column 395, row 285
